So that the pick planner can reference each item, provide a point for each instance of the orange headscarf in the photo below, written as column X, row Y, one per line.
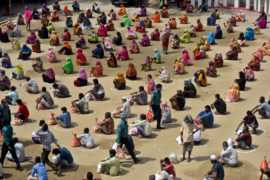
column 156, row 18
column 67, row 45
column 122, row 10
column 65, row 11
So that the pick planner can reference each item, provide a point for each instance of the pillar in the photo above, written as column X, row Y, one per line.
column 225, row 3
column 193, row 2
column 259, row 5
column 255, row 5
column 199, row 3
column 216, row 3
column 265, row 6
column 209, row 3
column 268, row 7
column 236, row 3
column 248, row 4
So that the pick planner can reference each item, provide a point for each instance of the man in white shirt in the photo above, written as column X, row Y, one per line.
column 125, row 108
column 31, row 86
column 19, row 151
column 263, row 108
column 229, row 155
column 86, row 139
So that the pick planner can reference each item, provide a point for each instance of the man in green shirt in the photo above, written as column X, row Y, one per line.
column 110, row 165
column 217, row 171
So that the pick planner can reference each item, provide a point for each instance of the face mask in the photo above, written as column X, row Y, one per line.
column 186, row 121
column 225, row 148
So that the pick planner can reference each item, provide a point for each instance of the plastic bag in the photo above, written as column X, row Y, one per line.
column 178, row 139
column 264, row 164
column 230, row 142
column 150, row 116
column 133, row 131
column 173, row 158
column 75, row 142
column 16, row 121
column 120, row 151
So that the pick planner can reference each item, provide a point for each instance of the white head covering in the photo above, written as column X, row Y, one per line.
column 213, row 157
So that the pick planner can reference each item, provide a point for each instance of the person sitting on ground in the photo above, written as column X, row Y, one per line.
column 95, row 8
column 211, row 21
column 44, row 20
column 98, row 90
column 178, row 67
column 45, row 100
column 31, row 86
column 219, row 104
column 51, row 55
column 119, row 82
column 18, row 72
column 77, row 29
column 249, row 34
column 218, row 60
column 228, row 156
column 20, row 20
column 123, row 54
column 165, row 113
column 164, row 12
column 126, row 21
column 241, row 17
column 131, row 72
column 263, row 108
column 49, row 76
column 145, row 40
column 112, row 15
column 156, row 18
column 164, row 75
column 66, row 36
column 134, row 48
column 146, row 65
column 39, row 171
column 148, row 22
column 178, row 101
column 19, row 151
column 241, row 81
column 200, row 78
column 76, row 6
column 54, row 16
column 244, row 139
column 89, row 13
column 118, row 40
column 81, row 105
column 183, row 18
column 64, row 158
column 141, row 127
column 68, row 66
column 97, row 71
column 15, row 44
column 155, row 35
column 233, row 94
column 112, row 61
column 143, row 11
column 98, row 52
column 80, row 58
column 25, row 52
column 86, row 139
column 185, row 38
column 64, row 119
column 122, row 11
column 81, row 43
column 38, row 65
column 167, row 166
column 56, row 5
column 23, row 113
column 54, row 40
column 110, row 26
column 140, row 97
column 4, row 36
column 123, row 109
column 232, row 54
column 205, row 118
column 131, row 34
column 107, row 44
column 189, row 89
column 69, row 21
column 110, row 166
column 229, row 26
column 12, row 96
column 60, row 90
column 255, row 64
column 211, row 70
column 36, row 46
column 67, row 49
column 241, row 39
column 173, row 24
column 218, row 34
column 175, row 41
column 249, row 120
column 249, row 74
column 107, row 125
column 82, row 79
column 217, row 171
column 4, row 81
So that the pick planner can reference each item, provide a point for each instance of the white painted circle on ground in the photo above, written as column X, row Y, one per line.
column 113, row 89
column 247, row 151
column 263, row 131
column 57, row 127
column 84, row 149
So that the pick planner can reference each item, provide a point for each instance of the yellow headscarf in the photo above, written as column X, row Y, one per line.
column 121, row 77
column 18, row 69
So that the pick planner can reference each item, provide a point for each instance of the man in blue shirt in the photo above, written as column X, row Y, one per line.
column 39, row 171
column 206, row 117
column 155, row 104
column 64, row 119
column 65, row 158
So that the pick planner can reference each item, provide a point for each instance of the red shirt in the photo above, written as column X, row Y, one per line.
column 24, row 110
column 165, row 42
column 170, row 169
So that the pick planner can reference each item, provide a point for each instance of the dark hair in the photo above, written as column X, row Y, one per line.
column 86, row 130
column 44, row 89
column 3, row 72
column 108, row 114
column 45, row 127
column 27, row 78
column 166, row 160
column 149, row 75
column 95, row 81
column 41, row 122
column 56, row 151
column 112, row 152
column 217, row 96
column 249, row 112
column 225, row 142
column 81, row 95
column 142, row 116
column 208, row 107
column 19, row 101
column 159, row 86
column 262, row 98
column 55, row 85
column 12, row 88
column 37, row 159
column 64, row 109
column 89, row 176
column 15, row 140
column 141, row 88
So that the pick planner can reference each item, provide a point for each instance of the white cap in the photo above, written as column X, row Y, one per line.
column 213, row 157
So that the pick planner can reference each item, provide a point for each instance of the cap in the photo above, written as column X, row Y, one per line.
column 213, row 157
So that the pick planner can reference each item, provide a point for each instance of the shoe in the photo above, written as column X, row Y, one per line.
column 136, row 161
column 19, row 168
column 160, row 127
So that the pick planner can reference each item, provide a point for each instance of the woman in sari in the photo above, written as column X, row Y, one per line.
column 143, row 11
column 249, row 74
column 54, row 16
column 49, row 76
column 15, row 44
column 66, row 36
column 66, row 11
column 234, row 43
column 102, row 31
column 110, row 26
column 76, row 6
column 81, row 43
column 241, row 39
column 200, row 78
column 189, row 89
column 108, row 44
column 18, row 73
column 36, row 46
column 266, row 48
column 93, row 37
column 51, row 55
column 164, row 12
column 145, row 40
column 141, row 27
column 164, row 75
column 69, row 21
column 173, row 24
column 241, row 81
column 262, row 23
column 112, row 15
column 82, row 79
column 97, row 71
column 219, row 33
column 259, row 54
column 183, row 18
column 50, row 27
column 156, row 58
column 80, row 58
column 122, row 11
column 20, row 20
column 95, row 8
column 4, row 36
column 179, row 67
column 211, row 38
column 175, row 41
column 36, row 14
column 255, row 64
column 148, row 22
column 98, row 52
column 155, row 35
column 102, row 19
column 199, row 26
column 16, row 32
column 67, row 49
column 6, row 63
column 54, row 40
column 131, row 34
column 77, row 29
column 43, row 33
column 131, row 72
column 232, row 54
column 218, row 60
column 112, row 61
column 151, row 86
column 68, row 66
column 156, row 18
column 185, row 38
column 165, row 112
column 249, row 34
column 120, row 82
column 146, row 65
column 185, row 58
column 134, row 48
column 31, row 39
column 123, row 54
column 233, row 94
column 199, row 53
column 211, row 70
column 4, row 81
column 192, row 31
column 38, row 65
column 25, row 52
column 44, row 20
column 118, row 39
column 45, row 9
column 56, row 5
column 86, row 25
column 89, row 13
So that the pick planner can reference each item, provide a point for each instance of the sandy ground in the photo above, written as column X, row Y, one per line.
column 162, row 143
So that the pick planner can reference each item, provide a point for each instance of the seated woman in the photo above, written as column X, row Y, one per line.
column 93, row 37
column 35, row 14
column 241, row 17
column 50, row 27
column 95, row 8
column 54, row 16
column 131, row 34
column 45, row 9
column 218, row 34
column 134, row 48
column 80, row 58
column 4, row 81
column 141, row 127
column 112, row 15
column 31, row 39
column 68, row 66
column 76, row 6
column 234, row 43
column 233, row 94
column 211, row 70
column 122, row 11
column 66, row 36
column 86, row 25
column 38, row 65
column 185, row 58
column 54, row 40
column 211, row 21
column 155, row 35
column 108, row 44
column 25, row 52
column 136, row 17
column 141, row 27
column 36, row 46
column 16, row 32
column 88, row 13
column 173, row 24
column 229, row 27
column 56, row 5
column 185, row 38
column 123, row 54
column 145, row 40
column 255, row 64
column 262, row 23
column 199, row 26
column 51, row 55
column 200, row 78
column 192, row 31
column 164, row 75
column 18, row 72
column 199, row 53
column 81, row 43
column 146, row 65
column 10, row 24
column 66, row 11
column 98, row 52
column 6, row 63
column 82, row 79
column 131, row 72
column 4, row 36
column 259, row 54
column 81, row 18
column 119, row 82
column 156, row 18
column 249, row 74
column 148, row 22
column 15, row 44
column 175, row 41
column 97, row 71
column 165, row 113
column 110, row 26
column 143, row 11
column 164, row 12
column 44, row 20
column 266, row 48
column 112, row 61
column 183, row 18
column 77, row 29
column 49, row 76
column 151, row 86
column 179, row 67
column 241, row 81
column 43, row 33
column 67, row 49
column 69, row 21
column 178, row 101
column 156, row 58
column 241, row 39
column 20, row 20
column 102, row 31
column 211, row 38
column 249, row 34
column 218, row 60
column 232, row 54
column 189, row 7
column 189, row 89
column 118, row 39
column 102, row 19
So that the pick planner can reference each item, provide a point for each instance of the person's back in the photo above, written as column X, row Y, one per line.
column 63, row 89
column 181, row 101
column 24, row 110
column 13, row 95
column 19, row 152
column 65, row 155
column 47, row 97
column 230, row 154
column 39, row 170
column 87, row 140
column 126, row 108
column 221, row 103
column 217, row 167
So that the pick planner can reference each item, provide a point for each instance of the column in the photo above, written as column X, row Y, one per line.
column 225, row 3
column 268, row 7
column 209, row 3
column 248, row 4
column 216, row 3
column 199, row 3
column 236, row 3
column 193, row 2
column 255, row 5
column 265, row 6
column 259, row 5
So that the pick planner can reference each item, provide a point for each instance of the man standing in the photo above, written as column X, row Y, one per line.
column 122, row 136
column 187, row 131
column 217, row 171
column 5, row 111
column 155, row 104
column 47, row 138
column 8, row 144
